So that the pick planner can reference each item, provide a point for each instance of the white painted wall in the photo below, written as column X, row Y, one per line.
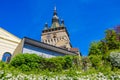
column 8, row 42
column 40, row 51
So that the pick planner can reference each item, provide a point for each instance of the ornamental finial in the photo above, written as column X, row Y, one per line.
column 55, row 8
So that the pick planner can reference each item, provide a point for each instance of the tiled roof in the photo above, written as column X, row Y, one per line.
column 74, row 49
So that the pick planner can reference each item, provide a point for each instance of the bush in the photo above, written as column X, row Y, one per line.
column 115, row 59
column 68, row 61
column 52, row 65
column 85, row 63
column 95, row 48
column 24, row 67
column 96, row 61
column 58, row 63
column 26, row 60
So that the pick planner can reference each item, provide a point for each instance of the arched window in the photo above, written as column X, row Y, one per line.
column 6, row 57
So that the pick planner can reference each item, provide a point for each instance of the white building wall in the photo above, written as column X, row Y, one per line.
column 40, row 51
column 6, row 46
column 8, row 42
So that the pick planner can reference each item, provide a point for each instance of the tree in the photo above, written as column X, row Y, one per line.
column 95, row 48
column 111, row 40
column 96, row 60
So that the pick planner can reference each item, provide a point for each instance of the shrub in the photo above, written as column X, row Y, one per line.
column 52, row 65
column 58, row 63
column 111, row 40
column 68, row 61
column 77, row 62
column 24, row 67
column 29, row 60
column 85, row 63
column 96, row 61
column 115, row 59
column 2, row 65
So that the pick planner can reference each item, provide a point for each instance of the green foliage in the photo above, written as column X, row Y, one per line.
column 115, row 59
column 59, row 63
column 57, row 67
column 24, row 67
column 27, row 62
column 95, row 48
column 111, row 40
column 85, row 63
column 2, row 64
column 96, row 61
column 77, row 62
column 100, row 52
column 52, row 64
column 71, row 73
column 68, row 61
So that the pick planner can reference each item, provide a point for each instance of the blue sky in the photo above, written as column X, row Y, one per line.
column 86, row 20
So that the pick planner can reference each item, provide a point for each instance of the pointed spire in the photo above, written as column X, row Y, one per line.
column 62, row 23
column 55, row 8
column 46, row 26
column 55, row 11
column 55, row 19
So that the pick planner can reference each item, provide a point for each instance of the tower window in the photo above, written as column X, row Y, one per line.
column 51, row 40
column 55, row 40
column 45, row 41
column 48, row 40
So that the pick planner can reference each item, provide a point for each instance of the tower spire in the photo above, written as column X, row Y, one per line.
column 62, row 22
column 46, row 26
column 55, row 19
column 55, row 8
column 55, row 11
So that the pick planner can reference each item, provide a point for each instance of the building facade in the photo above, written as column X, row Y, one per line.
column 8, row 43
column 28, row 45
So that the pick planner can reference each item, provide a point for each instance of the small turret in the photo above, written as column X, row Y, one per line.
column 46, row 26
column 62, row 23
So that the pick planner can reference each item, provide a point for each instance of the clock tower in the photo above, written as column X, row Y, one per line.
column 56, row 34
